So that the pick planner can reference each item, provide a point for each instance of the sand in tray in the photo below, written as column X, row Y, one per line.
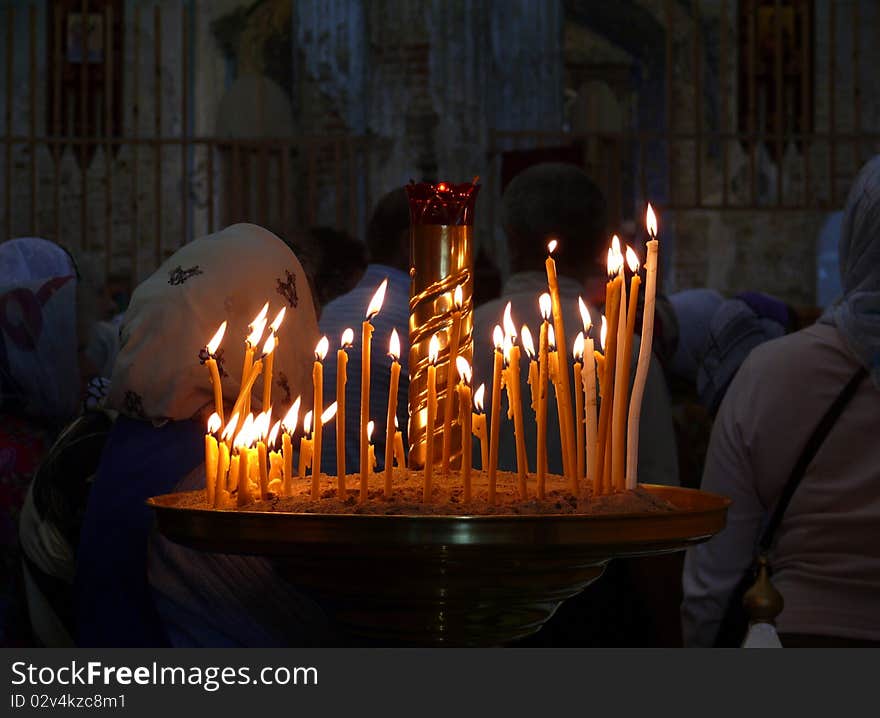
column 447, row 497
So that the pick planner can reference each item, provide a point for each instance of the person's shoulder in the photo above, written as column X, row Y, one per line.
column 797, row 353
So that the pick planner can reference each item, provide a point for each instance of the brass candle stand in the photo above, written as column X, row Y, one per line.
column 443, row 580
column 441, row 242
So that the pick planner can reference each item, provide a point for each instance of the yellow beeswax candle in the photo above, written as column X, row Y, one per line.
column 391, row 419
column 433, row 353
column 479, row 426
column 318, row 432
column 220, row 488
column 341, row 380
column 214, row 370
column 647, row 338
column 453, row 341
column 495, row 427
column 305, row 446
column 529, row 345
column 366, row 337
column 511, row 356
column 566, row 426
column 270, row 360
column 578, row 354
column 288, row 427
column 211, row 456
column 464, row 388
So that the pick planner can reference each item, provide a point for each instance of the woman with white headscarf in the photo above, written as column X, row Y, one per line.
column 825, row 555
column 164, row 397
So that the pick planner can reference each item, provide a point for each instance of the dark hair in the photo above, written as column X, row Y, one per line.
column 342, row 261
column 554, row 200
column 388, row 228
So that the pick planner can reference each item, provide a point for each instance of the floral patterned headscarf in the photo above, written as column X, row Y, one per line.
column 228, row 276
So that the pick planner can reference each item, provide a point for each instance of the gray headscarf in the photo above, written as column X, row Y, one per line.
column 856, row 314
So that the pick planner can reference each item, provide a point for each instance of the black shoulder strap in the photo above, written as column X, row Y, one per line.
column 810, row 449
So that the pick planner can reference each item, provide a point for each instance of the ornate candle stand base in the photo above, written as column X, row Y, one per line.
column 444, row 580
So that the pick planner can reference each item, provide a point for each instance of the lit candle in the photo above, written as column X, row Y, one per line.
column 214, row 371
column 220, row 491
column 288, row 426
column 464, row 403
column 325, row 418
column 318, row 386
column 256, row 370
column 341, row 381
column 212, row 455
column 621, row 387
column 578, row 353
column 544, row 302
column 555, row 372
column 223, row 482
column 371, row 450
column 305, row 446
column 391, row 420
column 242, row 443
column 261, row 429
column 621, row 383
column 534, row 375
column 566, row 426
column 399, row 455
column 257, row 326
column 479, row 426
column 612, row 308
column 647, row 338
column 495, row 427
column 366, row 337
column 433, row 353
column 267, row 373
column 590, row 401
column 511, row 358
column 453, row 340
column 276, row 461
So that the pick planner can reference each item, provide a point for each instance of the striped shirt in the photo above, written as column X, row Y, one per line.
column 349, row 311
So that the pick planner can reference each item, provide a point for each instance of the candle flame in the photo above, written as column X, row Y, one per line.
column 578, row 351
column 509, row 326
column 394, row 346
column 464, row 369
column 478, row 398
column 229, row 431
column 433, row 349
column 321, row 348
column 551, row 246
column 217, row 338
column 257, row 328
column 551, row 338
column 603, row 334
column 611, row 263
column 458, row 297
column 441, row 187
column 508, row 347
column 263, row 313
column 632, row 260
column 498, row 338
column 545, row 304
column 328, row 414
column 347, row 338
column 276, row 322
column 615, row 244
column 370, row 426
column 307, row 423
column 261, row 425
column 527, row 342
column 273, row 435
column 376, row 302
column 245, row 436
column 291, row 419
column 269, row 346
column 214, row 423
column 651, row 221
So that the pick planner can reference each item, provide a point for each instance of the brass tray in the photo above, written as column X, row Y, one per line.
column 444, row 580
